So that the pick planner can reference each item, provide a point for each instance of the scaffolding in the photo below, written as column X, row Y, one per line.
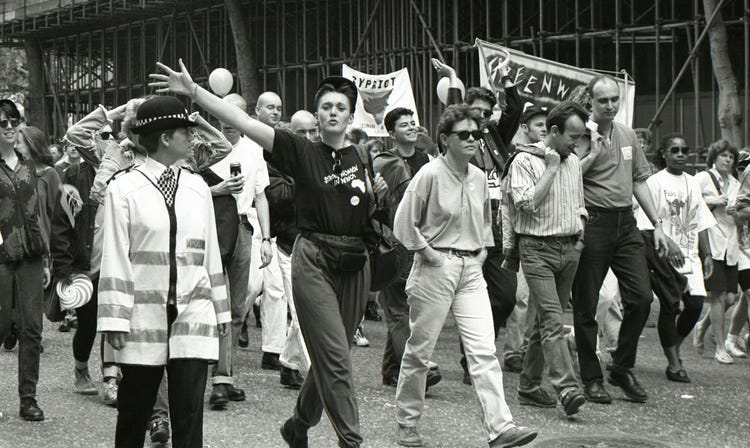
column 101, row 51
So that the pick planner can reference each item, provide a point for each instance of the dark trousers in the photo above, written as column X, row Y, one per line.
column 676, row 324
column 21, row 296
column 85, row 335
column 611, row 240
column 137, row 394
column 330, row 306
column 396, row 312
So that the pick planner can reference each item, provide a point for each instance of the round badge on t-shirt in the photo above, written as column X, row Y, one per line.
column 354, row 201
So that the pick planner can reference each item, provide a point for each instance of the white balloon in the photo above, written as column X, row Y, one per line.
column 442, row 89
column 221, row 81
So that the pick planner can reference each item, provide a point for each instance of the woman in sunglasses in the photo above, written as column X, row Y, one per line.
column 445, row 217
column 22, row 249
column 717, row 185
column 330, row 273
column 686, row 220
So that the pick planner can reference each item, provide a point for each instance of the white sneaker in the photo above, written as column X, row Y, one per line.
column 109, row 392
column 733, row 347
column 723, row 357
column 359, row 338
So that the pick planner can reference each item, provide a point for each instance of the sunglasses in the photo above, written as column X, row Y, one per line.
column 13, row 122
column 105, row 135
column 464, row 135
column 484, row 112
column 679, row 149
column 336, row 168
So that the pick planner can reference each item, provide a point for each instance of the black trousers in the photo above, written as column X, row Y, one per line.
column 137, row 395
column 611, row 240
column 85, row 336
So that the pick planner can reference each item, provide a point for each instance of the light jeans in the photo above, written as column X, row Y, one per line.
column 273, row 302
column 294, row 355
column 457, row 286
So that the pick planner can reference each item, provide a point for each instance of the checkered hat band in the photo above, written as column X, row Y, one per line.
column 145, row 121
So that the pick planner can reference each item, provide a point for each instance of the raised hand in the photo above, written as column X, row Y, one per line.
column 444, row 70
column 173, row 82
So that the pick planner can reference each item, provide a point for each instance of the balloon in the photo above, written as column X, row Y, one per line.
column 220, row 80
column 442, row 89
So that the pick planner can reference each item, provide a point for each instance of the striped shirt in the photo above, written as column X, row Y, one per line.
column 558, row 214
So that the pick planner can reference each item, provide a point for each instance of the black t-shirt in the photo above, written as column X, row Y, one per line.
column 330, row 203
column 416, row 161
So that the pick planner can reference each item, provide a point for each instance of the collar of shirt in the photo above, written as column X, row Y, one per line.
column 153, row 169
column 460, row 176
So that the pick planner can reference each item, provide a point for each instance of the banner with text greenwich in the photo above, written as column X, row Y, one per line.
column 378, row 94
column 545, row 82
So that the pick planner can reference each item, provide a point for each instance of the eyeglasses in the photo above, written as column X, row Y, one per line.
column 486, row 113
column 679, row 149
column 13, row 122
column 336, row 168
column 105, row 135
column 464, row 135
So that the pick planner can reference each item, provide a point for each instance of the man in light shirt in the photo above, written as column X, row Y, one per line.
column 547, row 192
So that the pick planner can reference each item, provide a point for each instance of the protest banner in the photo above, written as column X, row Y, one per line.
column 545, row 82
column 378, row 94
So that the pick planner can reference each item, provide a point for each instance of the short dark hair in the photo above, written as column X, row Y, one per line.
column 392, row 117
column 718, row 147
column 645, row 134
column 559, row 114
column 346, row 89
column 150, row 140
column 37, row 143
column 664, row 144
column 452, row 115
column 9, row 111
column 480, row 93
column 357, row 134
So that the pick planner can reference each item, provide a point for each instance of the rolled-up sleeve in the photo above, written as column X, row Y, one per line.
column 522, row 184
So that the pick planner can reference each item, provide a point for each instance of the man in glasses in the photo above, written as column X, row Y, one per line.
column 546, row 192
column 491, row 155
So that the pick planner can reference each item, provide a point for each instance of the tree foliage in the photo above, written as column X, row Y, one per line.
column 14, row 80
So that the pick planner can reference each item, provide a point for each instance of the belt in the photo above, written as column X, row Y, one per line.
column 460, row 253
column 610, row 209
column 551, row 238
column 345, row 241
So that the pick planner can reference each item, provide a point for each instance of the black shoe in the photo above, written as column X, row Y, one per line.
column 679, row 376
column 433, row 377
column 256, row 313
column 390, row 381
column 291, row 378
column 513, row 363
column 64, row 326
column 234, row 393
column 371, row 312
column 159, row 431
column 270, row 361
column 596, row 393
column 537, row 397
column 244, row 339
column 30, row 410
column 626, row 381
column 572, row 401
column 291, row 437
column 219, row 397
column 10, row 340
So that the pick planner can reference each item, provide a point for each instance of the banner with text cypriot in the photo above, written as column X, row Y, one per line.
column 378, row 94
column 545, row 82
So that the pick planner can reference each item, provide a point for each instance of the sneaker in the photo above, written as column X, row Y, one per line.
column 409, row 436
column 537, row 397
column 84, row 385
column 360, row 340
column 515, row 436
column 733, row 347
column 10, row 340
column 158, row 431
column 109, row 392
column 722, row 357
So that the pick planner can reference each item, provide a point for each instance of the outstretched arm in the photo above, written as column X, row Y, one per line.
column 181, row 83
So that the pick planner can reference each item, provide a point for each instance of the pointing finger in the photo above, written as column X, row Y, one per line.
column 166, row 69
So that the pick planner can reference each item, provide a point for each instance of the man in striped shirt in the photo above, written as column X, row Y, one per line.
column 546, row 192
